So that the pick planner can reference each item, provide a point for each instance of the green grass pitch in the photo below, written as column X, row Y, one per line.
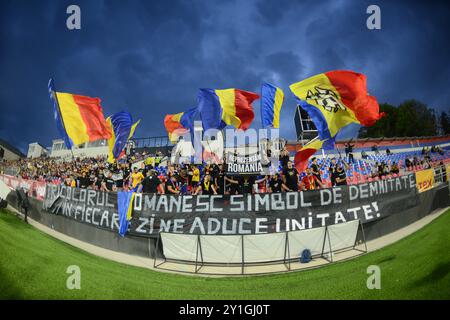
column 33, row 266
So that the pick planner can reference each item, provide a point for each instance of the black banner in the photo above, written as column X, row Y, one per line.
column 237, row 214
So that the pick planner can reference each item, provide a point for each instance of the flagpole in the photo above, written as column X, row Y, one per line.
column 312, row 140
column 60, row 114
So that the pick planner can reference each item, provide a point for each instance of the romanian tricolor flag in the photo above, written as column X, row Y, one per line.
column 179, row 124
column 56, row 113
column 335, row 99
column 219, row 108
column 122, row 129
column 125, row 209
column 271, row 101
column 82, row 118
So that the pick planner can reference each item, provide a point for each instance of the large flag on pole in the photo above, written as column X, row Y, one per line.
column 57, row 115
column 219, row 108
column 179, row 123
column 271, row 101
column 122, row 129
column 335, row 99
column 82, row 117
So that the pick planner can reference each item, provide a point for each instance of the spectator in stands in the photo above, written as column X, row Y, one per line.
column 284, row 158
column 332, row 170
column 290, row 178
column 246, row 184
column 349, row 151
column 118, row 177
column 364, row 155
column 84, row 181
column 171, row 186
column 315, row 169
column 194, row 174
column 219, row 179
column 151, row 183
column 394, row 168
column 340, row 177
column 408, row 164
column 233, row 185
column 310, row 181
column 206, row 186
column 108, row 183
column 275, row 184
column 381, row 169
column 260, row 184
column 375, row 149
column 136, row 178
column 388, row 152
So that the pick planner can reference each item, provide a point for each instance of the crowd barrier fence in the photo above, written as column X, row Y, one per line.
column 259, row 249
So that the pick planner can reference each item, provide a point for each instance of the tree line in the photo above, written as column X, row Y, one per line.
column 410, row 119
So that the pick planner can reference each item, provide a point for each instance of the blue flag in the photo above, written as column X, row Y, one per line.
column 122, row 128
column 125, row 208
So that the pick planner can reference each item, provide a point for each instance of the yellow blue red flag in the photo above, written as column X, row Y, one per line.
column 122, row 130
column 219, row 108
column 179, row 123
column 81, row 117
column 335, row 99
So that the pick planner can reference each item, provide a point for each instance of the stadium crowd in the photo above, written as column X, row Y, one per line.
column 151, row 177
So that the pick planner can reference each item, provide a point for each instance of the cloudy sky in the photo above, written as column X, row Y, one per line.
column 150, row 57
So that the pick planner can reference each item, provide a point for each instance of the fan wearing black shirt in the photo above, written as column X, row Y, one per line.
column 246, row 184
column 171, row 186
column 290, row 175
column 315, row 169
column 284, row 158
column 339, row 177
column 234, row 185
column 151, row 182
column 206, row 186
column 98, row 181
column 126, row 173
column 108, row 183
column 275, row 184
column 332, row 171
column 219, row 180
column 84, row 181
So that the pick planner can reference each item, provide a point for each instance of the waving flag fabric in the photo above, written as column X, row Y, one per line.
column 301, row 157
column 82, row 118
column 219, row 108
column 179, row 124
column 122, row 129
column 125, row 208
column 335, row 99
column 56, row 113
column 271, row 101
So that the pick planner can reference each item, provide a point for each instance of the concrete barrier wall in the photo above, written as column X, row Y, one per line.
column 436, row 198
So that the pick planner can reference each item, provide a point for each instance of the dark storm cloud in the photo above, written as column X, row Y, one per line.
column 152, row 56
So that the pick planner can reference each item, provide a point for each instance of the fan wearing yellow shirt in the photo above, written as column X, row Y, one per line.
column 195, row 179
column 136, row 178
